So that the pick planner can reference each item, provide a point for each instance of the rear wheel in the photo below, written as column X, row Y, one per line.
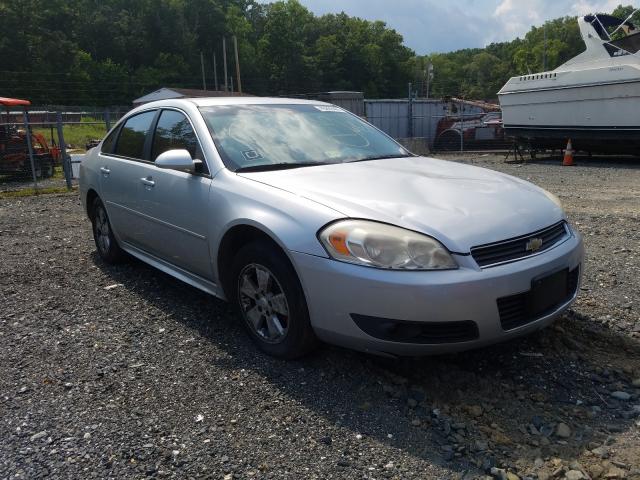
column 448, row 142
column 46, row 168
column 106, row 243
column 265, row 289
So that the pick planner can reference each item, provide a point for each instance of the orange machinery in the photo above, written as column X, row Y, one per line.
column 17, row 148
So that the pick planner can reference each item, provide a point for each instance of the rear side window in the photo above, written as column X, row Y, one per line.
column 107, row 144
column 174, row 131
column 133, row 134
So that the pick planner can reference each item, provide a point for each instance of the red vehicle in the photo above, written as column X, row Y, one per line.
column 479, row 131
column 14, row 149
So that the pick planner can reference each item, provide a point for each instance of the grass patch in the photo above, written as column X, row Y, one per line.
column 28, row 192
column 76, row 135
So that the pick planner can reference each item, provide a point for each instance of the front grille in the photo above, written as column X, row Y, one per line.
column 417, row 332
column 514, row 309
column 516, row 248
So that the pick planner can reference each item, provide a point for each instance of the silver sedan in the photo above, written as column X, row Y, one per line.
column 317, row 226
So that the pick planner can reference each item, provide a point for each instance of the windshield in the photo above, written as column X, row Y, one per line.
column 283, row 136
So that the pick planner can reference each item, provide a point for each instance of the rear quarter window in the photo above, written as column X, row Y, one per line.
column 133, row 135
column 107, row 144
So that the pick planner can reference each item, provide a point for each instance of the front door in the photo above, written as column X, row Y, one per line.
column 174, row 203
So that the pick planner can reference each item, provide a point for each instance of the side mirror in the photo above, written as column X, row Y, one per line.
column 179, row 159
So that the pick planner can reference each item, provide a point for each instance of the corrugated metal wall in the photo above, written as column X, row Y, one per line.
column 391, row 116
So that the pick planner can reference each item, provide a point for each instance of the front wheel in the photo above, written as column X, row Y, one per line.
column 265, row 289
column 106, row 243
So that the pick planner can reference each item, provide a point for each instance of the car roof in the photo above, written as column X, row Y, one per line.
column 213, row 101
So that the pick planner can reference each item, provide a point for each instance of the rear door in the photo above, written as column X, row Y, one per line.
column 120, row 172
column 174, row 203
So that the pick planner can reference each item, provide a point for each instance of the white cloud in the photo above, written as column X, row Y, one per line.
column 583, row 7
column 437, row 26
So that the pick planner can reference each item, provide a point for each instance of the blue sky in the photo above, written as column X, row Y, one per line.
column 445, row 25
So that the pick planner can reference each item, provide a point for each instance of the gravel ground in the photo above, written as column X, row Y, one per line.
column 124, row 372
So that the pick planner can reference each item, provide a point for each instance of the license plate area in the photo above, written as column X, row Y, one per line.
column 547, row 292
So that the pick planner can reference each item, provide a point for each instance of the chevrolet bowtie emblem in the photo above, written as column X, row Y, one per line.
column 533, row 245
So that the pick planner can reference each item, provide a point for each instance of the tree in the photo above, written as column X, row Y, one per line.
column 106, row 52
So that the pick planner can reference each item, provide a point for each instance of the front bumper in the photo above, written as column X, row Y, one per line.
column 336, row 290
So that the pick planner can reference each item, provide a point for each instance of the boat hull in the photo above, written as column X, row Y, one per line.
column 602, row 117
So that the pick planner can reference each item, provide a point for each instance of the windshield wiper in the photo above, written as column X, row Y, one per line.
column 379, row 157
column 277, row 166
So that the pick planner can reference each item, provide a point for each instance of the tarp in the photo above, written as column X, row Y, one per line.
column 13, row 102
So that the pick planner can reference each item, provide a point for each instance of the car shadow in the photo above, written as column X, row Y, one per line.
column 497, row 406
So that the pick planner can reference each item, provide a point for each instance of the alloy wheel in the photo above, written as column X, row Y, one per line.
column 263, row 303
column 102, row 230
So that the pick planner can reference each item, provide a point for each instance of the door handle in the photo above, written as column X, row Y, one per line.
column 148, row 182
column 105, row 171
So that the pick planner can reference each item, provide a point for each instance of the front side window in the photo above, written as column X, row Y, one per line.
column 264, row 136
column 174, row 132
column 133, row 134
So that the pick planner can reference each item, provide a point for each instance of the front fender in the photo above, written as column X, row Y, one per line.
column 291, row 221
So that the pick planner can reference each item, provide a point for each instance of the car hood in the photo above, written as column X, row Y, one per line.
column 460, row 205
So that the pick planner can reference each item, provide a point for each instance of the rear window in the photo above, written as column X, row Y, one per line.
column 133, row 135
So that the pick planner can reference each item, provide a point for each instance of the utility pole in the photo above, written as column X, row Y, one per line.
column 410, row 112
column 204, row 82
column 544, row 52
column 215, row 71
column 429, row 77
column 224, row 60
column 235, row 47
column 231, row 82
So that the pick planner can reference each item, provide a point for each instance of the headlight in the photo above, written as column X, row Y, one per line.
column 384, row 246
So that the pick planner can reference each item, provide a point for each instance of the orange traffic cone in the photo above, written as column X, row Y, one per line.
column 568, row 155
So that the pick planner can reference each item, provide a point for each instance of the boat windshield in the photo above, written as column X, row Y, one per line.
column 608, row 25
column 620, row 36
column 630, row 44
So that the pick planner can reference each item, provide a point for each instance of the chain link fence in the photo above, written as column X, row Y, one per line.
column 41, row 147
column 426, row 125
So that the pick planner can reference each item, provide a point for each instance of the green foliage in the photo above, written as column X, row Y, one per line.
column 77, row 135
column 108, row 52
column 480, row 73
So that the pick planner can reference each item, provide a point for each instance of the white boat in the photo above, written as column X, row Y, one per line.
column 593, row 99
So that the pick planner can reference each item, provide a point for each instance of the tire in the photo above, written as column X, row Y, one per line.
column 46, row 168
column 264, row 288
column 106, row 243
column 26, row 169
column 447, row 142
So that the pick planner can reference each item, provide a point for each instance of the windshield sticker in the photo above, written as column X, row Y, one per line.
column 328, row 108
column 251, row 155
